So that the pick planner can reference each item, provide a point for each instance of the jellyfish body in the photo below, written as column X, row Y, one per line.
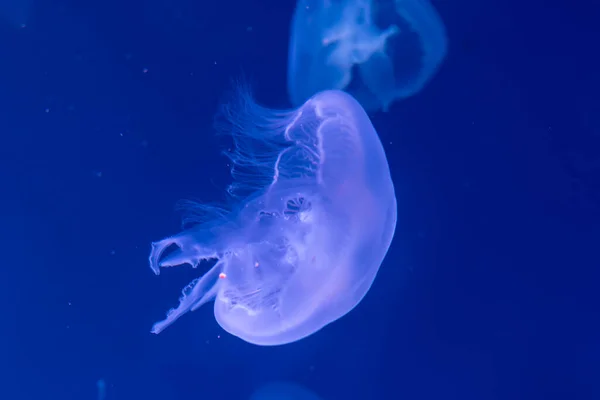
column 304, row 247
column 377, row 50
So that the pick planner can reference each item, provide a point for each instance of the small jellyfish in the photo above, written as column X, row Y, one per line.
column 314, row 218
column 376, row 50
column 281, row 390
column 101, row 386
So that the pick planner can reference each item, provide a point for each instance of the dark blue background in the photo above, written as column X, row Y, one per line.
column 489, row 290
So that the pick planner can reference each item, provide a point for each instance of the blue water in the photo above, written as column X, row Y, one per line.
column 489, row 290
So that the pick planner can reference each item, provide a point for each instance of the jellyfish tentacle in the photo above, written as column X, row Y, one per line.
column 194, row 295
column 188, row 252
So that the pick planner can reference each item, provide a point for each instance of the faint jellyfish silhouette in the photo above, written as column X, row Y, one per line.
column 15, row 12
column 376, row 50
column 101, row 386
column 304, row 246
column 281, row 390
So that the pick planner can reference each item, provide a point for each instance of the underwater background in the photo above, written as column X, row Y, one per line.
column 489, row 289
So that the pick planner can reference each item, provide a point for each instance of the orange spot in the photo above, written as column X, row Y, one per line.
column 256, row 264
column 222, row 275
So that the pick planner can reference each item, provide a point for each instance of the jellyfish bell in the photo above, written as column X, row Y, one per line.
column 304, row 247
column 379, row 51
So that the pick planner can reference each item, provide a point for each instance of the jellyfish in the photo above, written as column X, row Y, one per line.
column 377, row 50
column 101, row 386
column 313, row 217
column 281, row 390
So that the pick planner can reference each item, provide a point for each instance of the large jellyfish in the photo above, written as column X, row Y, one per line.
column 376, row 50
column 303, row 248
